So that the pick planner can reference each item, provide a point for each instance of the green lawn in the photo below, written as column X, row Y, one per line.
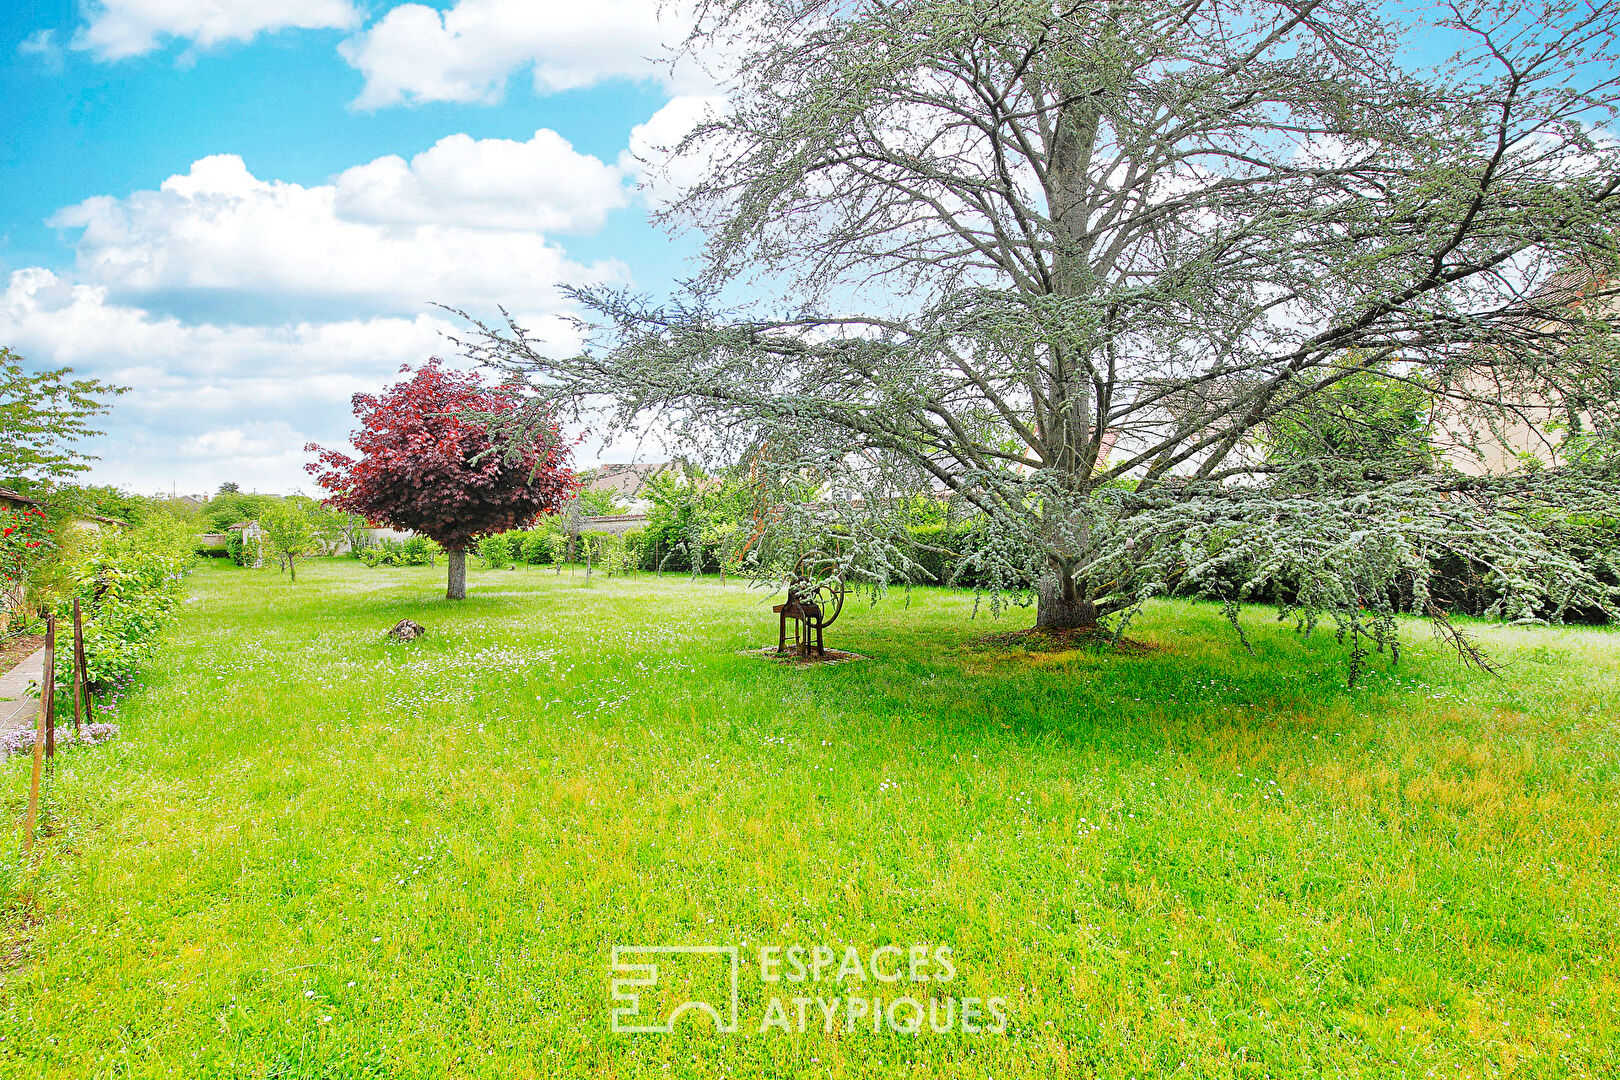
column 315, row 854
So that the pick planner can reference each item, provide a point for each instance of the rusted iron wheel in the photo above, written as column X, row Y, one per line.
column 819, row 579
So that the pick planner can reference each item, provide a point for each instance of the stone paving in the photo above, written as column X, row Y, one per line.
column 18, row 707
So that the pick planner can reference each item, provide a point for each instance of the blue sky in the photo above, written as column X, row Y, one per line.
column 240, row 209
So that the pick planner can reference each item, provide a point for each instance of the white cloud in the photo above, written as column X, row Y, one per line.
column 326, row 285
column 116, row 29
column 543, row 185
column 209, row 402
column 416, row 53
column 219, row 229
column 649, row 158
column 43, row 44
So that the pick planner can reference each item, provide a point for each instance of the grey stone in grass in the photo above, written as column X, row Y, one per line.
column 406, row 630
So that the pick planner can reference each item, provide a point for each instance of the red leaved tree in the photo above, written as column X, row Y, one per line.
column 427, row 464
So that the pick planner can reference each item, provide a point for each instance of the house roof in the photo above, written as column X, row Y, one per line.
column 9, row 496
column 1576, row 283
column 626, row 480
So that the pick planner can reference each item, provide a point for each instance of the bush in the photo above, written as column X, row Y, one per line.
column 242, row 552
column 496, row 551
column 130, row 585
column 220, row 550
column 420, row 551
column 415, row 551
column 539, row 547
column 27, row 544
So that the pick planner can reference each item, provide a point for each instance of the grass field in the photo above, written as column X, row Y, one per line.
column 316, row 854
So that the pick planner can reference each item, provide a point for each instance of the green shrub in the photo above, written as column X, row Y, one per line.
column 214, row 549
column 420, row 551
column 130, row 586
column 539, row 547
column 496, row 551
column 415, row 551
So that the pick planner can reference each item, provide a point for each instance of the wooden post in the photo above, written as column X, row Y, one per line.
column 81, row 693
column 47, row 687
column 46, row 693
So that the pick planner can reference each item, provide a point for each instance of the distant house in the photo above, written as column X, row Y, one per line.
column 625, row 481
column 1525, row 424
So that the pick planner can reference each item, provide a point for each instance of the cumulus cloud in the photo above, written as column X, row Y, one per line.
column 215, row 402
column 416, row 53
column 218, row 228
column 116, row 29
column 660, row 173
column 543, row 184
column 329, row 284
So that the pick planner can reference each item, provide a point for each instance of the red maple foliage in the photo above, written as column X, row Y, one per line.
column 426, row 466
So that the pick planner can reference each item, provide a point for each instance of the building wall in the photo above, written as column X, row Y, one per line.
column 617, row 524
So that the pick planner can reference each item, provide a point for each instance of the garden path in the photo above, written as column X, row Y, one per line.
column 18, row 707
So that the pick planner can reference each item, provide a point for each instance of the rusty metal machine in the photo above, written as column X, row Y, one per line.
column 815, row 598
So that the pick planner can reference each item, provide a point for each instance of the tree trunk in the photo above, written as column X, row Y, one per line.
column 457, row 558
column 1064, row 605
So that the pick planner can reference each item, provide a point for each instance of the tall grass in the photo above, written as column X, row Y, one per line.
column 315, row 853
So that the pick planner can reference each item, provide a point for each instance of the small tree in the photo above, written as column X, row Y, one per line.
column 42, row 416
column 427, row 464
column 289, row 533
column 233, row 508
column 336, row 528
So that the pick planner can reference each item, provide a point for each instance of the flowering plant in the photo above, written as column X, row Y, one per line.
column 26, row 540
column 130, row 585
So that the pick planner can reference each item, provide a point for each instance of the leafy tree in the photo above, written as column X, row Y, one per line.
column 233, row 508
column 599, row 502
column 74, row 500
column 288, row 533
column 43, row 415
column 336, row 527
column 229, row 488
column 1370, row 416
column 1068, row 261
column 696, row 518
column 427, row 464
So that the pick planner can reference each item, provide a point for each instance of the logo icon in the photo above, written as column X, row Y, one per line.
column 663, row 972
